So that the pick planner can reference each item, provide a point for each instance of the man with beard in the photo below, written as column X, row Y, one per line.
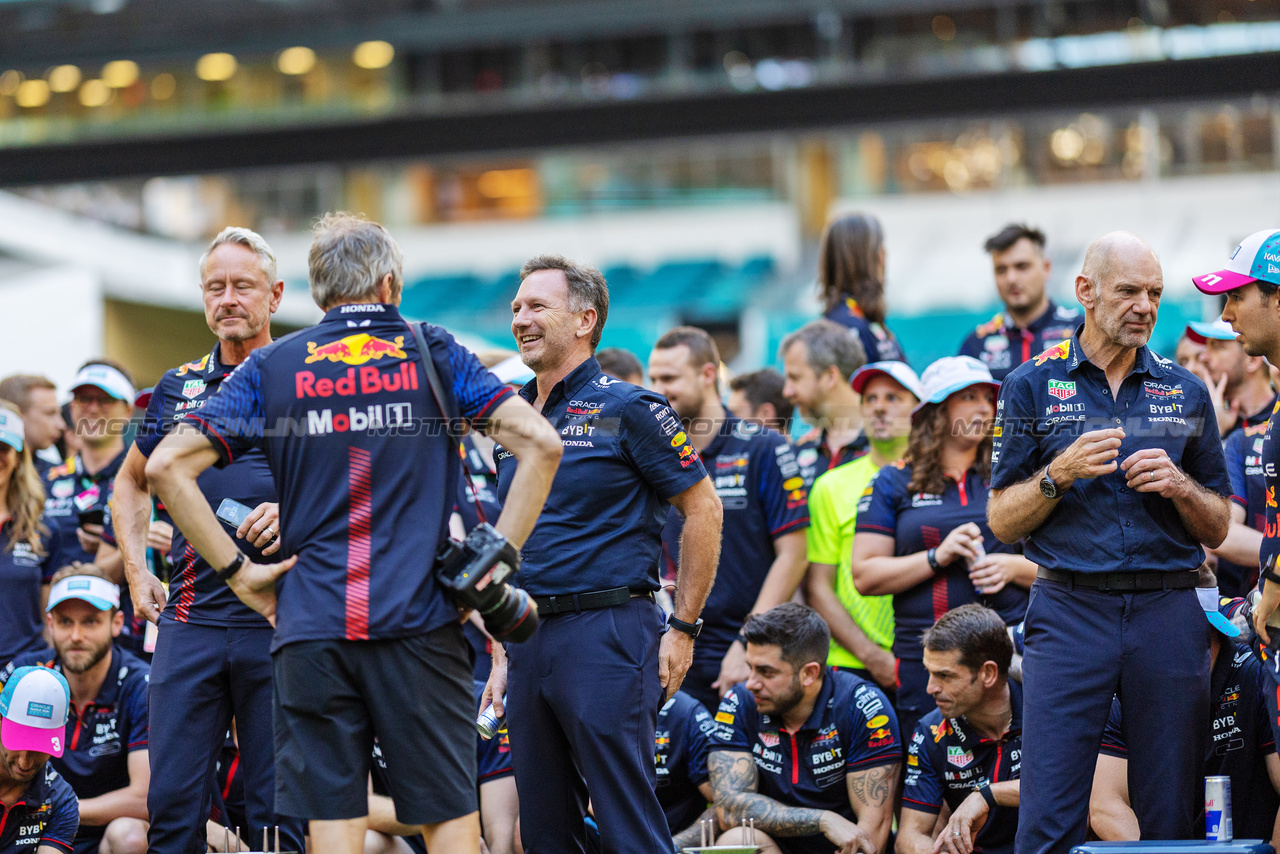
column 1030, row 322
column 762, row 548
column 1114, row 518
column 105, row 759
column 40, row 810
column 809, row 752
column 212, row 660
column 818, row 360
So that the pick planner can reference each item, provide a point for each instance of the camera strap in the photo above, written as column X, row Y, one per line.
column 437, row 390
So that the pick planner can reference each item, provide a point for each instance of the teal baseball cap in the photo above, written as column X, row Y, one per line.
column 1201, row 331
column 12, row 430
column 1256, row 258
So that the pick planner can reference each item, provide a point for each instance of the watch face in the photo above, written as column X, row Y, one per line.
column 1048, row 488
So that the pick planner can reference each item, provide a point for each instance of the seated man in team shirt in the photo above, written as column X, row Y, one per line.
column 38, row 810
column 965, row 756
column 1238, row 745
column 681, row 744
column 499, row 804
column 811, row 753
column 106, row 758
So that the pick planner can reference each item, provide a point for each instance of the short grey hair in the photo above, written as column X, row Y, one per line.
column 827, row 343
column 349, row 258
column 252, row 241
column 587, row 287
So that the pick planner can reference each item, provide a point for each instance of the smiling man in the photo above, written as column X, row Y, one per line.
column 1107, row 460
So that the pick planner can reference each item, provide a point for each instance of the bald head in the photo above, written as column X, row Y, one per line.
column 1120, row 287
column 1119, row 250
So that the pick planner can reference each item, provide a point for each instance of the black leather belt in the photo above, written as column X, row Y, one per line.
column 578, row 602
column 1123, row 582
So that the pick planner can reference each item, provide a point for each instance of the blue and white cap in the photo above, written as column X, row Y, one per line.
column 106, row 378
column 1209, row 601
column 949, row 375
column 899, row 372
column 12, row 430
column 1200, row 331
column 33, row 706
column 98, row 592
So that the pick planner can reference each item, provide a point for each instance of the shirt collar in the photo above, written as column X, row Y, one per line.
column 961, row 724
column 568, row 386
column 108, row 471
column 819, row 713
column 1144, row 361
column 1008, row 325
column 356, row 312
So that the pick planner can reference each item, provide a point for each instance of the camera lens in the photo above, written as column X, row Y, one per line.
column 512, row 617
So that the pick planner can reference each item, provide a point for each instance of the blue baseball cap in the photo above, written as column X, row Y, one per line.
column 899, row 372
column 12, row 430
column 1256, row 258
column 1200, row 331
column 98, row 592
column 949, row 375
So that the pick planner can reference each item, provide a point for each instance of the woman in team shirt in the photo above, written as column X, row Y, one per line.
column 851, row 261
column 27, row 543
column 922, row 530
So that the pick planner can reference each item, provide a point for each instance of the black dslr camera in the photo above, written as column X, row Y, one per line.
column 476, row 571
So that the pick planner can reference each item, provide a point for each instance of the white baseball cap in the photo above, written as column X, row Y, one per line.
column 106, row 378
column 899, row 372
column 1209, row 601
column 33, row 706
column 98, row 592
column 1257, row 257
column 11, row 428
column 949, row 375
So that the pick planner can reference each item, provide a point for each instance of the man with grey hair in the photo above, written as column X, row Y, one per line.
column 368, row 643
column 1107, row 465
column 585, row 692
column 212, row 660
column 818, row 362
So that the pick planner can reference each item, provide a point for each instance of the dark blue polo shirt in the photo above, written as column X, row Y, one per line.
column 70, row 491
column 852, row 728
column 1100, row 525
column 1243, row 450
column 815, row 458
column 764, row 496
column 1239, row 743
column 196, row 594
column 1256, row 419
column 101, row 736
column 625, row 456
column 1003, row 346
column 366, row 474
column 947, row 760
column 879, row 343
column 23, row 572
column 46, row 814
column 681, row 743
column 921, row 521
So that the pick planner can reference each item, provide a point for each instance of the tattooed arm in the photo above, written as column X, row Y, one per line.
column 871, row 793
column 692, row 835
column 734, row 779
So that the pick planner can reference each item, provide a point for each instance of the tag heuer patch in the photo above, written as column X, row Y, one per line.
column 958, row 756
column 1062, row 390
column 193, row 388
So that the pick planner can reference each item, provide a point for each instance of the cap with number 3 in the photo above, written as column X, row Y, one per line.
column 33, row 706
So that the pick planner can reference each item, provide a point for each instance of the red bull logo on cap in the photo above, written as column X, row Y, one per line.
column 356, row 349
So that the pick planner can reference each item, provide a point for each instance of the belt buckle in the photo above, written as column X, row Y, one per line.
column 552, row 607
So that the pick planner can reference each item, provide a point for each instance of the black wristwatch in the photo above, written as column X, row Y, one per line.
column 690, row 629
column 235, row 566
column 1048, row 487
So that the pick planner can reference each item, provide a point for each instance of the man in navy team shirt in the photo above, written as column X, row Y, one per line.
column 1107, row 461
column 811, row 753
column 105, row 758
column 212, row 660
column 965, row 756
column 38, row 811
column 681, row 745
column 586, row 689
column 1031, row 322
column 762, row 548
column 367, row 643
column 818, row 360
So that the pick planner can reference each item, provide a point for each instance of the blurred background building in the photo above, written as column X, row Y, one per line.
column 693, row 149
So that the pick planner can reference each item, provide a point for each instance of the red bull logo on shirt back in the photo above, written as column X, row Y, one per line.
column 356, row 349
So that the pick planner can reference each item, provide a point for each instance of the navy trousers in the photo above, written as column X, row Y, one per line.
column 583, row 699
column 202, row 676
column 1083, row 646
